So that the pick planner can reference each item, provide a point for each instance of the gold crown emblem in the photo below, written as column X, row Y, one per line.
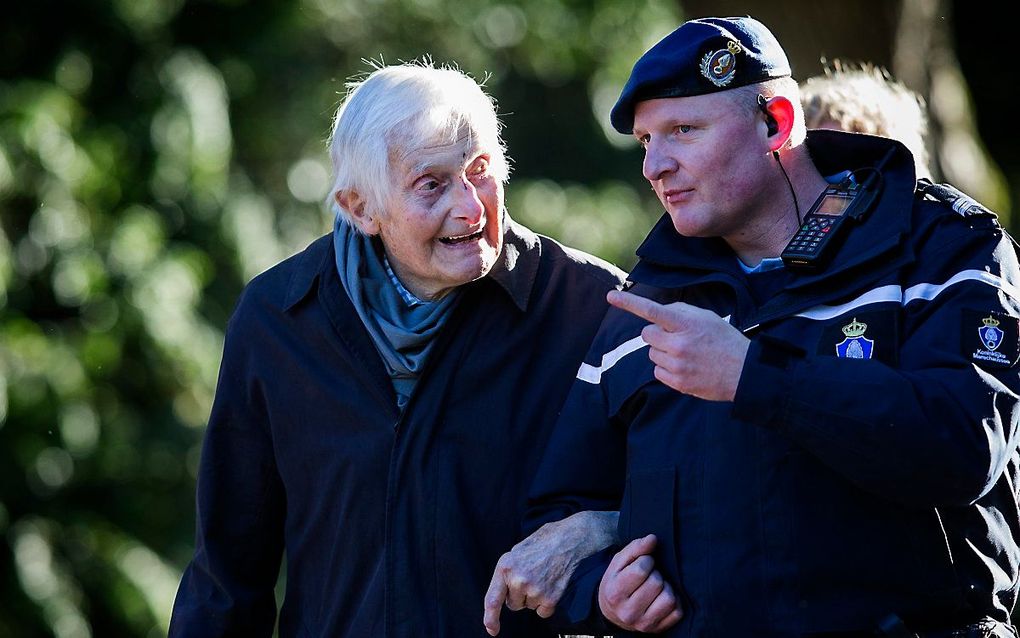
column 990, row 321
column 854, row 328
column 733, row 47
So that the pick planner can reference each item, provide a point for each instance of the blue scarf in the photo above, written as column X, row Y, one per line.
column 403, row 327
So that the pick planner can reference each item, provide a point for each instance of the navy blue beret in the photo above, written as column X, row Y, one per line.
column 701, row 56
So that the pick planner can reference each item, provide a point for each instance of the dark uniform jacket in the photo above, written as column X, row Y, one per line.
column 391, row 522
column 867, row 469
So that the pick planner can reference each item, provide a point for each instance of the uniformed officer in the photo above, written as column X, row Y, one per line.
column 806, row 408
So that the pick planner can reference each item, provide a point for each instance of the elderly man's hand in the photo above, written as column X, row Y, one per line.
column 693, row 349
column 535, row 572
column 633, row 595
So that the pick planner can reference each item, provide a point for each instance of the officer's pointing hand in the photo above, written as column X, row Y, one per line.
column 693, row 349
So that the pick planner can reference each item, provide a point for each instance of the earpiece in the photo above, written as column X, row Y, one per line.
column 772, row 127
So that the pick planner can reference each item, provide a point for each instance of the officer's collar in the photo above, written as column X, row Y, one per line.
column 666, row 249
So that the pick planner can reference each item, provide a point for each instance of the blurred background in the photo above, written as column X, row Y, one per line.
column 157, row 154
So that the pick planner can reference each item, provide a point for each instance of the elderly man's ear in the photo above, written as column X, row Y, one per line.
column 354, row 204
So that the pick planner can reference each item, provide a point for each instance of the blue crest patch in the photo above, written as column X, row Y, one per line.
column 855, row 345
column 996, row 343
column 991, row 336
column 856, row 348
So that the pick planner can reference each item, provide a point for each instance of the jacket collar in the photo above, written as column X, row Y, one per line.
column 668, row 259
column 515, row 270
column 517, row 266
column 309, row 264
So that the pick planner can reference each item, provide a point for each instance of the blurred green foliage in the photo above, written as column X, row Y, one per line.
column 154, row 156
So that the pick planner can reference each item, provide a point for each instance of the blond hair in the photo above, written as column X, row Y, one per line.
column 867, row 99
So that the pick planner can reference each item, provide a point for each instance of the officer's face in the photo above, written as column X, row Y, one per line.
column 705, row 157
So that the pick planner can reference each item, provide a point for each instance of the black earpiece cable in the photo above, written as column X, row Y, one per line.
column 773, row 128
column 796, row 204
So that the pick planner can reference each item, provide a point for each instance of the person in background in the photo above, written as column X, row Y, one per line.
column 867, row 99
column 385, row 395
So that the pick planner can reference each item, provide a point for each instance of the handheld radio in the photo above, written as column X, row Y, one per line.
column 829, row 218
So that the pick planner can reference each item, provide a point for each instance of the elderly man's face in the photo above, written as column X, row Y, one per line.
column 443, row 225
column 707, row 160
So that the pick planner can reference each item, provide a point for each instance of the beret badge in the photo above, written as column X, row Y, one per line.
column 720, row 66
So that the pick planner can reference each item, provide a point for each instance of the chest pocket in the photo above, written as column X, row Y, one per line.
column 872, row 334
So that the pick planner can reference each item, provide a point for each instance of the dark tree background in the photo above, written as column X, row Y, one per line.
column 157, row 154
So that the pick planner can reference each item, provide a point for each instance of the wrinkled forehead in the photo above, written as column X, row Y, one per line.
column 446, row 148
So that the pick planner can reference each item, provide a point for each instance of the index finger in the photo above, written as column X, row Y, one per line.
column 494, row 599
column 644, row 308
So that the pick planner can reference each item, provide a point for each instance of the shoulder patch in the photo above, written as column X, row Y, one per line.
column 953, row 197
column 989, row 339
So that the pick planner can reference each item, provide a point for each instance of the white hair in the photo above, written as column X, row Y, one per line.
column 398, row 109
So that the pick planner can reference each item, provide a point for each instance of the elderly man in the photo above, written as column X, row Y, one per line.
column 384, row 394
column 806, row 408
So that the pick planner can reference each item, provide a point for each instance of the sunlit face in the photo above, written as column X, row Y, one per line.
column 706, row 159
column 443, row 225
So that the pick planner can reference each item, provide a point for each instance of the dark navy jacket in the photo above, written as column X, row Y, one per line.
column 391, row 523
column 834, row 492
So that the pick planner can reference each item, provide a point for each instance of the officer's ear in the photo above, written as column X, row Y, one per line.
column 778, row 117
column 356, row 206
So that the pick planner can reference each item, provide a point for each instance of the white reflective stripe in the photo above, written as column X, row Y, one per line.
column 928, row 291
column 591, row 374
column 878, row 295
column 925, row 292
column 882, row 294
